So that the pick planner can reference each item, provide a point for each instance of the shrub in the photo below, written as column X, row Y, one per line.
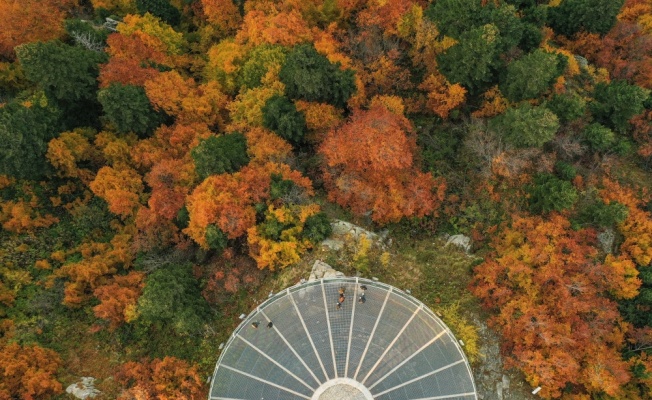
column 317, row 228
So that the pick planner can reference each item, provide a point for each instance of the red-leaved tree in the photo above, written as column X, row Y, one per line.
column 369, row 167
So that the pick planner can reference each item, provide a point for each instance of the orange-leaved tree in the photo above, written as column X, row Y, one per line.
column 443, row 96
column 154, row 32
column 118, row 298
column 184, row 99
column 265, row 146
column 552, row 304
column 227, row 200
column 642, row 133
column 155, row 232
column 120, row 187
column 69, row 149
column 319, row 116
column 166, row 379
column 637, row 227
column 133, row 59
column 624, row 52
column 170, row 181
column 21, row 216
column 25, row 21
column 99, row 261
column 169, row 142
column 384, row 75
column 28, row 372
column 287, row 28
column 223, row 200
column 384, row 14
column 119, row 7
column 394, row 104
column 171, row 176
column 494, row 103
column 115, row 149
column 369, row 167
column 223, row 14
column 325, row 43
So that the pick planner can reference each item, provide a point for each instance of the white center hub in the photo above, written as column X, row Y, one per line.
column 342, row 388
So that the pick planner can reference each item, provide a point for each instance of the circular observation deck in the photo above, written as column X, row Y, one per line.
column 386, row 345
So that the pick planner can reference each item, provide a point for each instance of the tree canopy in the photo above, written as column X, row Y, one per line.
column 547, row 264
column 220, row 154
column 595, row 16
column 531, row 75
column 64, row 72
column 473, row 60
column 310, row 76
column 161, row 9
column 615, row 103
column 25, row 130
column 281, row 116
column 526, row 126
column 128, row 109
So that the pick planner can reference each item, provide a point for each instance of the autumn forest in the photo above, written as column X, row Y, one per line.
column 166, row 163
